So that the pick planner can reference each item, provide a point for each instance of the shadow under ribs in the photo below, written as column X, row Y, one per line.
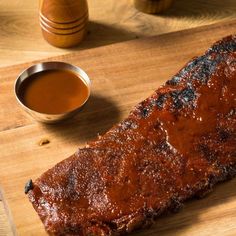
column 174, row 145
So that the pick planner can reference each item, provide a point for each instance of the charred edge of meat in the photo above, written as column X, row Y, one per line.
column 128, row 124
column 225, row 45
column 228, row 172
column 202, row 67
column 99, row 228
column 144, row 109
column 207, row 187
column 180, row 98
column 144, row 112
column 176, row 205
column 92, row 228
column 161, row 100
column 29, row 186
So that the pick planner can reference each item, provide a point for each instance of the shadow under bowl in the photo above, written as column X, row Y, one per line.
column 63, row 11
column 45, row 66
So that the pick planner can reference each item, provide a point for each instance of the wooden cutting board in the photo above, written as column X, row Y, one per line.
column 122, row 75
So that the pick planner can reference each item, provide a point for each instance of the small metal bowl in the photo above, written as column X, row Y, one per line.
column 50, row 118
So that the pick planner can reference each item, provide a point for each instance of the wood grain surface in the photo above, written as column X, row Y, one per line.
column 6, row 225
column 122, row 75
column 111, row 21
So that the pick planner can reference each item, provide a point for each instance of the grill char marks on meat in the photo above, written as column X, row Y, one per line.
column 175, row 145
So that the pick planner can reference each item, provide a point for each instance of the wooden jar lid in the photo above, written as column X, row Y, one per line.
column 63, row 11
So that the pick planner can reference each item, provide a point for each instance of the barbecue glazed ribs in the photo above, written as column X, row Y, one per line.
column 174, row 145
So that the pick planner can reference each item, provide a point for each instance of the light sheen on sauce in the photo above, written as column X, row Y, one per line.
column 54, row 91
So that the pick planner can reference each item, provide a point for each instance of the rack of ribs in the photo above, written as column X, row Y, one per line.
column 175, row 145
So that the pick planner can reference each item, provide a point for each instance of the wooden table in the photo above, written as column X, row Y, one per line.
column 111, row 21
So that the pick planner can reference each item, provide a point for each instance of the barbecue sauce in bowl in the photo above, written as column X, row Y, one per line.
column 54, row 91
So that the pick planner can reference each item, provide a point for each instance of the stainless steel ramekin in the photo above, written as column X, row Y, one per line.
column 44, row 66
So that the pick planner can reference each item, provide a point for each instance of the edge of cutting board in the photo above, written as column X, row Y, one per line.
column 9, row 227
column 137, row 43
